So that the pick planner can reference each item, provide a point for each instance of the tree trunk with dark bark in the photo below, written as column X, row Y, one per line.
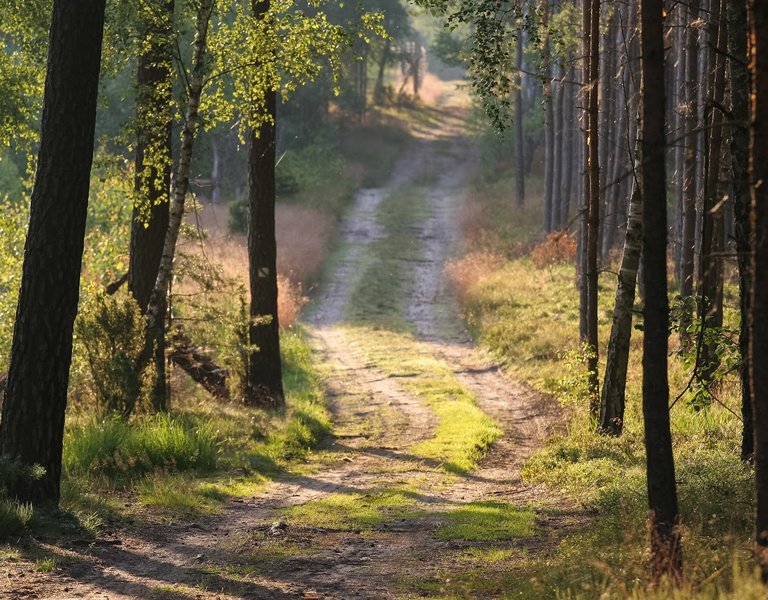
column 688, row 250
column 739, row 151
column 593, row 223
column 549, row 134
column 519, row 125
column 264, row 385
column 617, row 353
column 711, row 270
column 666, row 552
column 758, row 325
column 32, row 426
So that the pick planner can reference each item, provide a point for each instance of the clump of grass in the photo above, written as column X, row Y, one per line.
column 353, row 511
column 464, row 432
column 179, row 495
column 465, row 272
column 486, row 522
column 559, row 247
column 116, row 448
column 46, row 565
column 290, row 301
column 14, row 516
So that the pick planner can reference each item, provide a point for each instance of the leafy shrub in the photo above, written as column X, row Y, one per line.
column 13, row 231
column 559, row 247
column 15, row 515
column 112, row 332
column 159, row 443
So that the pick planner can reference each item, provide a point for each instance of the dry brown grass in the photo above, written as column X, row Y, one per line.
column 302, row 241
column 463, row 273
column 559, row 247
column 290, row 301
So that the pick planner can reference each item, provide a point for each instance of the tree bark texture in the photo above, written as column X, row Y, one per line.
column 519, row 125
column 32, row 425
column 265, row 385
column 593, row 223
column 688, row 250
column 265, row 381
column 617, row 354
column 711, row 271
column 666, row 553
column 758, row 325
column 739, row 152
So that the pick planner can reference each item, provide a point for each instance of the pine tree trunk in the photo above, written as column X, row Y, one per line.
column 155, row 310
column 568, row 150
column 582, row 251
column 691, row 167
column 549, row 135
column 617, row 353
column 557, row 147
column 593, row 224
column 666, row 555
column 264, row 386
column 519, row 125
column 32, row 425
column 711, row 271
column 153, row 174
column 378, row 90
column 758, row 326
column 739, row 150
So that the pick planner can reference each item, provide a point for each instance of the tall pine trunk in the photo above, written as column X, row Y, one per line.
column 32, row 426
column 666, row 553
column 711, row 271
column 265, row 383
column 688, row 250
column 519, row 125
column 593, row 202
column 758, row 325
column 739, row 150
column 617, row 353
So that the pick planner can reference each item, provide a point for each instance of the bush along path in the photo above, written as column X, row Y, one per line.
column 418, row 491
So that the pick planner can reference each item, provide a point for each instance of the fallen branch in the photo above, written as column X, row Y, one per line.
column 199, row 365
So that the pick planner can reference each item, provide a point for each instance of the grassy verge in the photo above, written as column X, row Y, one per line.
column 529, row 318
column 188, row 462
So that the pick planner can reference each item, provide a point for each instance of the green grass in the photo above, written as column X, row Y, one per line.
column 487, row 522
column 529, row 318
column 187, row 463
column 353, row 511
column 14, row 516
column 117, row 448
column 46, row 565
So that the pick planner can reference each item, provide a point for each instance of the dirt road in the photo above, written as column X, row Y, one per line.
column 368, row 518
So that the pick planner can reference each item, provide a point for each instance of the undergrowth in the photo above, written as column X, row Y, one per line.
column 190, row 461
column 528, row 316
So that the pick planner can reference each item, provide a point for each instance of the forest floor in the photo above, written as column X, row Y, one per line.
column 417, row 493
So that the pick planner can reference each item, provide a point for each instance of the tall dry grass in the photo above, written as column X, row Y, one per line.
column 302, row 240
column 463, row 273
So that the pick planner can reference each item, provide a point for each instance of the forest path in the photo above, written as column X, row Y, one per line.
column 386, row 509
